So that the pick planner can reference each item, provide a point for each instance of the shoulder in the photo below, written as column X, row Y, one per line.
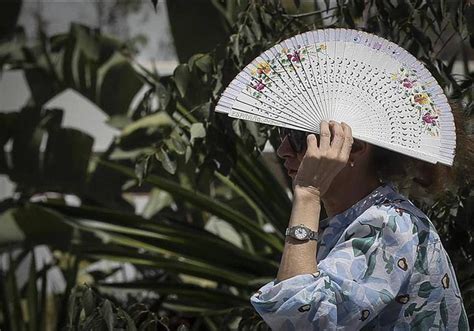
column 397, row 219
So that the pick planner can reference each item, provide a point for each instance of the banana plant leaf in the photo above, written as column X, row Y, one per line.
column 206, row 203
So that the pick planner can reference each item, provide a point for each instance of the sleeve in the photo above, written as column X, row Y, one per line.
column 367, row 272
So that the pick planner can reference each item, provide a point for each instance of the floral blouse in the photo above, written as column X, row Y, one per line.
column 381, row 266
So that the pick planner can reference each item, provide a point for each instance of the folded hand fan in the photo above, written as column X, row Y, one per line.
column 383, row 92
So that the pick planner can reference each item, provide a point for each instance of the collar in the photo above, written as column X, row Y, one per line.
column 385, row 192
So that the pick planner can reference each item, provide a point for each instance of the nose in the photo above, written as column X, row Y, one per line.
column 285, row 151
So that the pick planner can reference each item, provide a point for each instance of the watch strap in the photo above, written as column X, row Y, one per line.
column 312, row 235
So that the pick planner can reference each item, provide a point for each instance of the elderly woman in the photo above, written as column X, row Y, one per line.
column 376, row 262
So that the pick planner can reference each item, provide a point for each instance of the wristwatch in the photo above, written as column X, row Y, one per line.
column 301, row 232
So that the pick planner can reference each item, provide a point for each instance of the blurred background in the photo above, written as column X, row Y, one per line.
column 134, row 21
column 127, row 203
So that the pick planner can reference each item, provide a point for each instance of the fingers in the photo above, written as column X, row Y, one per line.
column 325, row 136
column 312, row 144
column 334, row 137
column 320, row 165
column 348, row 141
column 337, row 136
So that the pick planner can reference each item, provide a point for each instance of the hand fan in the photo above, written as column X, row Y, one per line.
column 383, row 92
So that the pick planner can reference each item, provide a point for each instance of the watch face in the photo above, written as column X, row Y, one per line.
column 301, row 233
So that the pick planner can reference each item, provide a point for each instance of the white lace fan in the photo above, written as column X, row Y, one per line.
column 383, row 92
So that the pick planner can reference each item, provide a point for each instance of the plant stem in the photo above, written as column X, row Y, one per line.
column 311, row 13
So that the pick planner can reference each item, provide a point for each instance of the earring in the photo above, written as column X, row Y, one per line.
column 352, row 164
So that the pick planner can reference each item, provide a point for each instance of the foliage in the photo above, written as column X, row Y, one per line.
column 199, row 168
column 11, row 304
column 90, row 311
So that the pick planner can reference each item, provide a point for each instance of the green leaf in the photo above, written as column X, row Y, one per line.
column 93, row 321
column 179, row 238
column 167, row 163
column 200, row 269
column 443, row 311
column 42, row 85
column 88, row 302
column 41, row 317
column 206, row 203
column 10, row 232
column 11, row 298
column 425, row 289
column 249, row 34
column 74, row 309
column 117, row 85
column 163, row 96
column 371, row 264
column 348, row 17
column 41, row 226
column 421, row 263
column 423, row 321
column 125, row 316
column 196, row 295
column 401, row 12
column 386, row 296
column 164, row 259
column 25, row 154
column 182, row 76
column 158, row 200
column 469, row 19
column 410, row 310
column 160, row 119
column 203, row 61
column 108, row 314
column 197, row 131
column 255, row 131
column 256, row 28
column 392, row 223
column 86, row 43
column 32, row 295
column 70, row 275
column 8, row 125
column 389, row 262
column 66, row 160
column 235, row 45
column 361, row 246
column 254, row 177
column 261, row 216
column 119, row 121
column 176, row 143
column 188, row 154
column 462, row 322
column 141, row 169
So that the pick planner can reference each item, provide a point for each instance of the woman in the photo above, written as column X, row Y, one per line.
column 379, row 261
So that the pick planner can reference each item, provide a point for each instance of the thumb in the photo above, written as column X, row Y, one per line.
column 312, row 143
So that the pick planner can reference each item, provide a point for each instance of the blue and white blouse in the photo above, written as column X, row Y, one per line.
column 381, row 266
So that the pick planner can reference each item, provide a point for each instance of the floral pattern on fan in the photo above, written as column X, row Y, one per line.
column 420, row 99
column 314, row 50
column 321, row 47
column 265, row 71
column 293, row 58
column 260, row 79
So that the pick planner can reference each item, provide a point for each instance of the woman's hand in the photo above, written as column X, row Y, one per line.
column 322, row 163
